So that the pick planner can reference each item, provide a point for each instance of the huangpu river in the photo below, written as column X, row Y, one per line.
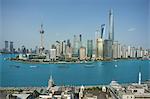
column 18, row 74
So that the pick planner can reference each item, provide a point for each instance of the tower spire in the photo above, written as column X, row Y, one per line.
column 42, row 39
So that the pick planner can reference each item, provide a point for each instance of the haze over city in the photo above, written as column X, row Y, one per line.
column 21, row 19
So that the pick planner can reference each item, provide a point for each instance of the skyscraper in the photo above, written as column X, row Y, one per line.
column 107, row 49
column 111, row 25
column 42, row 40
column 89, row 48
column 58, row 48
column 6, row 46
column 11, row 47
column 68, row 43
column 115, row 49
column 102, row 30
column 119, row 51
column 99, row 48
column 76, row 46
column 82, row 53
column 63, row 46
column 53, row 54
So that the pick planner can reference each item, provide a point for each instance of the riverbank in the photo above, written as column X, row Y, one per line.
column 44, row 61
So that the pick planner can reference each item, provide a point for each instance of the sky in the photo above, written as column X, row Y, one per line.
column 20, row 20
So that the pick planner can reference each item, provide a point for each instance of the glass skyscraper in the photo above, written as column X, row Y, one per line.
column 111, row 25
column 89, row 48
column 107, row 49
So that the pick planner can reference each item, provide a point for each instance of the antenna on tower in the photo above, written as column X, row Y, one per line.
column 42, row 40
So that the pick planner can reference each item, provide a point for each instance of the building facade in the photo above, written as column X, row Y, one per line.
column 107, row 49
column 99, row 48
column 82, row 53
column 89, row 48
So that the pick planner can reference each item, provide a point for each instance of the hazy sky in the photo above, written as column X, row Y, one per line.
column 20, row 20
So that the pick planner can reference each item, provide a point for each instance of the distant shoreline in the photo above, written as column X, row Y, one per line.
column 44, row 61
column 64, row 62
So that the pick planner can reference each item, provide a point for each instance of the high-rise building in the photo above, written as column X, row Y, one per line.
column 11, row 47
column 80, row 40
column 68, row 52
column 58, row 48
column 115, row 49
column 133, row 52
column 68, row 43
column 123, row 51
column 107, row 49
column 119, row 51
column 111, row 25
column 89, row 48
column 63, row 48
column 53, row 54
column 42, row 40
column 129, row 51
column 99, row 48
column 102, row 30
column 6, row 46
column 82, row 53
column 76, row 46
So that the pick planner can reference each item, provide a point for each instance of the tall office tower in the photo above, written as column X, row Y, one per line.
column 129, row 51
column 96, row 36
column 99, row 48
column 111, row 25
column 115, row 49
column 75, row 47
column 137, row 53
column 80, row 40
column 53, row 54
column 107, row 49
column 58, row 48
column 133, row 52
column 89, row 48
column 68, row 52
column 82, row 53
column 6, row 46
column 119, row 51
column 42, row 40
column 68, row 43
column 63, row 47
column 102, row 30
column 11, row 47
column 123, row 51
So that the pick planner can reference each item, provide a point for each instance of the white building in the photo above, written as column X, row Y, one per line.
column 129, row 51
column 82, row 53
column 53, row 54
column 115, row 49
column 119, row 50
column 68, row 52
column 99, row 48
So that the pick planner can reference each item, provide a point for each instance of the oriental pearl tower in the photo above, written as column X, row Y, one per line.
column 42, row 40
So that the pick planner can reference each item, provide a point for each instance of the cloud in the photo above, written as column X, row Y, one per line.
column 131, row 29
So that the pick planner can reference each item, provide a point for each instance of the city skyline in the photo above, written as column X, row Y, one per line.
column 21, row 21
